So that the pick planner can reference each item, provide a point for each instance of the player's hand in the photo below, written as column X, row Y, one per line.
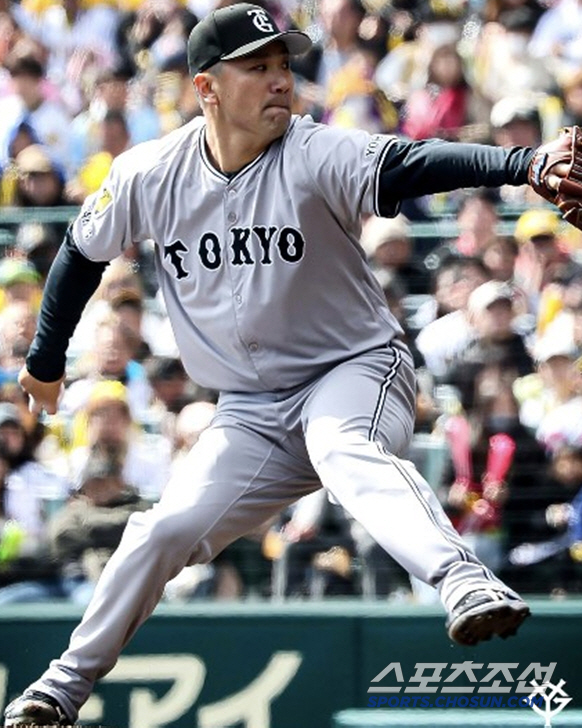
column 555, row 173
column 42, row 395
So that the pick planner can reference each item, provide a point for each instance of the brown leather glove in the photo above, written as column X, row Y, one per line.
column 567, row 149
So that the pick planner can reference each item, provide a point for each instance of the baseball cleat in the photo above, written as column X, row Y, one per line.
column 33, row 708
column 483, row 613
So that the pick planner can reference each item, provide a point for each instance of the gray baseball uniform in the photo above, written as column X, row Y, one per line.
column 242, row 261
column 272, row 303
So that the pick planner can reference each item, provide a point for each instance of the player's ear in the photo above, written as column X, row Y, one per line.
column 204, row 85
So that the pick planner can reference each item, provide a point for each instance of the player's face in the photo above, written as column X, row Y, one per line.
column 255, row 93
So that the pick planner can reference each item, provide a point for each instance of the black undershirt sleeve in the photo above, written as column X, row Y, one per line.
column 413, row 169
column 71, row 282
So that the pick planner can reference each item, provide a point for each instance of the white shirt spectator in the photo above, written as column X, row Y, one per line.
column 562, row 426
column 92, row 33
column 146, row 466
column 443, row 339
column 139, row 394
column 29, row 491
column 50, row 122
column 560, row 28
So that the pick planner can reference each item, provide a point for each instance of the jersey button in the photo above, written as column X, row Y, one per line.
column 253, row 346
column 231, row 216
column 238, row 298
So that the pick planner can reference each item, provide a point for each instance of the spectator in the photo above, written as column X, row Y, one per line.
column 516, row 120
column 555, row 384
column 26, row 491
column 561, row 425
column 492, row 10
column 571, row 88
column 47, row 118
column 20, row 137
column 129, row 307
column 495, row 343
column 340, row 21
column 17, row 328
column 37, row 243
column 556, row 38
column 503, row 44
column 173, row 97
column 569, row 462
column 113, row 139
column 354, row 101
column 191, row 422
column 495, row 462
column 111, row 94
column 500, row 255
column 111, row 358
column 315, row 526
column 88, row 529
column 119, row 279
column 442, row 340
column 387, row 243
column 477, row 220
column 9, row 35
column 157, row 31
column 114, row 134
column 74, row 35
column 542, row 256
column 546, row 558
column 122, row 282
column 566, row 326
column 442, row 107
column 41, row 183
column 105, row 425
column 380, row 576
column 172, row 393
column 404, row 68
column 19, row 283
column 395, row 295
column 241, row 570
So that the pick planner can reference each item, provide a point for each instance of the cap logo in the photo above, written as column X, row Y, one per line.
column 261, row 20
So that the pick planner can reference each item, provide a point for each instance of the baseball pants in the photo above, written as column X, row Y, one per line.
column 346, row 431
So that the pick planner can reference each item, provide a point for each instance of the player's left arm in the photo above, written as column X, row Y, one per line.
column 554, row 170
column 412, row 169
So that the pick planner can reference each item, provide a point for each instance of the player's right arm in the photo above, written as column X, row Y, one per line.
column 71, row 282
column 100, row 233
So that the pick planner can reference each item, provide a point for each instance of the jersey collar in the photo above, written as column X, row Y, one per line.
column 216, row 172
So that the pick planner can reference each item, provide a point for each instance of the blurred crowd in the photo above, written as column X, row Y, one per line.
column 490, row 299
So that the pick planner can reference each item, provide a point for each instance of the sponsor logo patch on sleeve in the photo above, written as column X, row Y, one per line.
column 103, row 201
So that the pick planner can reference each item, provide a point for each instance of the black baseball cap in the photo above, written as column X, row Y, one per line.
column 235, row 31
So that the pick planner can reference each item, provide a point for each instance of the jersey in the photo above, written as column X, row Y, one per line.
column 264, row 280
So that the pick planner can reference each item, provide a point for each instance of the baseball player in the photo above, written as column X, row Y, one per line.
column 256, row 217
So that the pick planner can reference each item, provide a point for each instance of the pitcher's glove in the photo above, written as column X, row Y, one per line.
column 565, row 183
